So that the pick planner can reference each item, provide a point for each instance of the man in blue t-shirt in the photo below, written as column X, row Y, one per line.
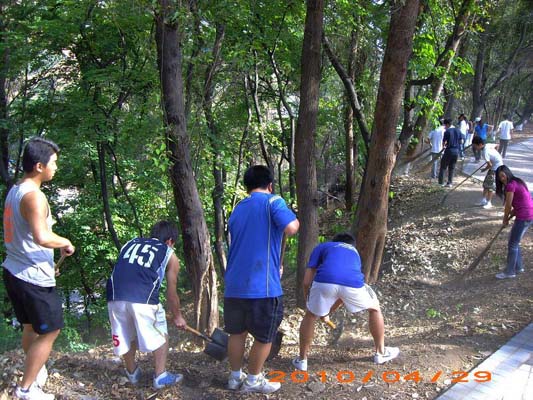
column 481, row 129
column 137, row 318
column 253, row 295
column 333, row 277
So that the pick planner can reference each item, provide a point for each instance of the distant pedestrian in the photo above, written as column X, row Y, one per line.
column 463, row 127
column 518, row 203
column 494, row 161
column 452, row 142
column 435, row 139
column 506, row 129
column 333, row 277
column 481, row 129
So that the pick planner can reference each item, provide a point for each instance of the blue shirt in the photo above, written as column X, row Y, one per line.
column 453, row 138
column 139, row 271
column 481, row 131
column 338, row 263
column 256, row 228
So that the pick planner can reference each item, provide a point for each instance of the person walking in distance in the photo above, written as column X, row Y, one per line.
column 506, row 129
column 435, row 139
column 137, row 317
column 463, row 127
column 29, row 274
column 517, row 203
column 252, row 294
column 333, row 277
column 452, row 142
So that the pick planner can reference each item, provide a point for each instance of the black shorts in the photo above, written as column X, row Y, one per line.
column 39, row 306
column 260, row 317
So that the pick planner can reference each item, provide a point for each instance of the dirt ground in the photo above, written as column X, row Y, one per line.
column 441, row 324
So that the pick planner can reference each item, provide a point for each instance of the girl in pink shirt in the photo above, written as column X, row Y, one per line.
column 518, row 203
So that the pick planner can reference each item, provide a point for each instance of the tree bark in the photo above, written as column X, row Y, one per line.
column 196, row 241
column 350, row 150
column 105, row 195
column 350, row 90
column 215, row 141
column 306, row 180
column 371, row 221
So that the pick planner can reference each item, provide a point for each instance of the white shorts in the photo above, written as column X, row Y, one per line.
column 129, row 321
column 323, row 295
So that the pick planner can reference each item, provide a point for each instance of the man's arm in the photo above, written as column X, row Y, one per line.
column 173, row 300
column 34, row 209
column 292, row 228
column 308, row 280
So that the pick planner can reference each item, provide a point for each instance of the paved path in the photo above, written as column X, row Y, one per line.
column 511, row 366
column 511, row 369
column 519, row 159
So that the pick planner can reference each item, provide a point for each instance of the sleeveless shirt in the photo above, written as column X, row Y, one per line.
column 139, row 271
column 25, row 259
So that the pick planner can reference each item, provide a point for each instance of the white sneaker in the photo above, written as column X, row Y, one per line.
column 262, row 385
column 487, row 206
column 42, row 376
column 235, row 383
column 299, row 364
column 166, row 379
column 135, row 376
column 482, row 202
column 389, row 354
column 34, row 393
column 503, row 275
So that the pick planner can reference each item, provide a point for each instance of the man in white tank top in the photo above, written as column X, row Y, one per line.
column 29, row 274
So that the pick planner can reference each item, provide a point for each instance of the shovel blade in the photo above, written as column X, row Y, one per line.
column 216, row 351
column 220, row 337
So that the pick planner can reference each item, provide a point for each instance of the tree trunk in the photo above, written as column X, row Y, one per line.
column 371, row 221
column 196, row 241
column 444, row 63
column 7, row 180
column 215, row 141
column 350, row 144
column 306, row 181
column 105, row 195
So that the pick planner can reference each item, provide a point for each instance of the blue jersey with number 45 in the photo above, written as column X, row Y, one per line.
column 139, row 271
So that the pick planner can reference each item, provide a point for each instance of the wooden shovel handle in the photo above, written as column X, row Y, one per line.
column 198, row 333
column 58, row 264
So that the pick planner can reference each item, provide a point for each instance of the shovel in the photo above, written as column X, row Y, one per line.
column 217, row 344
column 58, row 264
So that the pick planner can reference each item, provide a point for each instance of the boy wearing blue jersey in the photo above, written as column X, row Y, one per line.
column 137, row 318
column 252, row 294
column 333, row 276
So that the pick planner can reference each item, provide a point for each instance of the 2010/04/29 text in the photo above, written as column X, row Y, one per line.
column 347, row 376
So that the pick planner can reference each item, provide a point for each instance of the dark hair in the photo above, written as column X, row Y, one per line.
column 164, row 230
column 38, row 150
column 447, row 121
column 477, row 140
column 257, row 176
column 510, row 177
column 344, row 237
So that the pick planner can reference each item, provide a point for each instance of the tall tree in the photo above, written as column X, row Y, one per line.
column 371, row 220
column 306, row 181
column 196, row 239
